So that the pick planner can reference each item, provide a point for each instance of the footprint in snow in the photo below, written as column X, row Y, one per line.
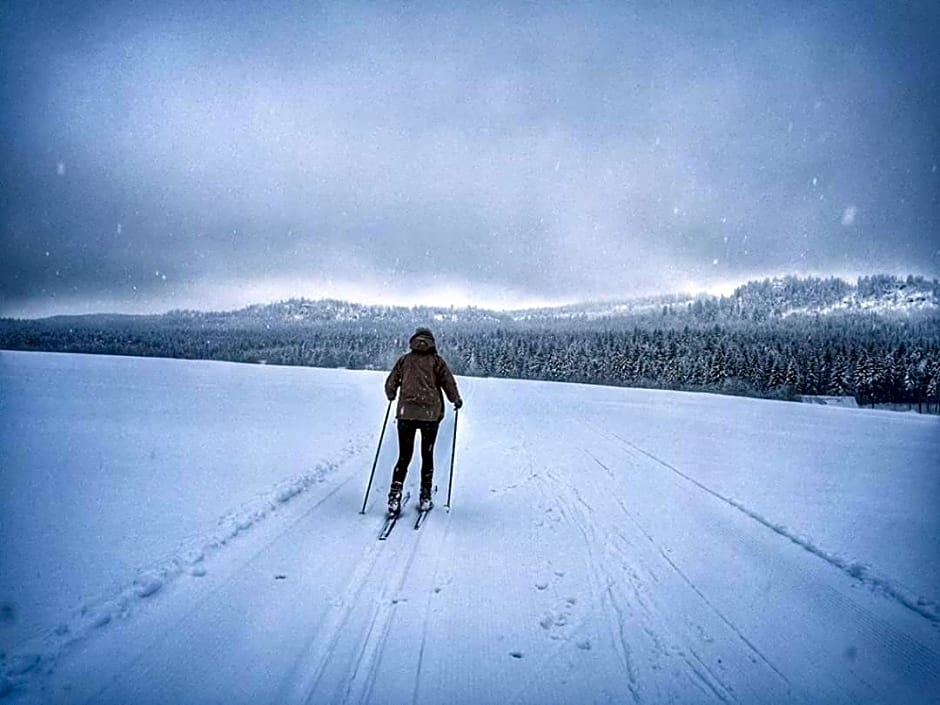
column 515, row 654
column 280, row 577
column 148, row 584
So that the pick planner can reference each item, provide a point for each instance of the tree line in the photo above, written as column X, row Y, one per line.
column 874, row 358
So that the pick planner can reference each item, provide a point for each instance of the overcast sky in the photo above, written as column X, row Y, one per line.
column 215, row 154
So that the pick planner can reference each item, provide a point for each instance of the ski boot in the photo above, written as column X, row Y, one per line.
column 394, row 499
column 424, row 502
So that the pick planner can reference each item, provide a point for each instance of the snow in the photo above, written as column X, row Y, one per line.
column 183, row 531
column 144, row 460
column 847, row 402
column 894, row 301
column 848, row 215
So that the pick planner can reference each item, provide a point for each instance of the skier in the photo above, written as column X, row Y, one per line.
column 421, row 374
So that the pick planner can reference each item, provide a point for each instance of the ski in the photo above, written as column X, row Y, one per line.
column 421, row 517
column 424, row 515
column 392, row 519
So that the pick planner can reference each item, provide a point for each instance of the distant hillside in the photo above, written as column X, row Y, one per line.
column 877, row 340
column 755, row 301
column 762, row 300
column 882, row 294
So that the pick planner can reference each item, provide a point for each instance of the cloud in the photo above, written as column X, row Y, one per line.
column 548, row 153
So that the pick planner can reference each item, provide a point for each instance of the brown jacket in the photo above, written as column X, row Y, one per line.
column 421, row 374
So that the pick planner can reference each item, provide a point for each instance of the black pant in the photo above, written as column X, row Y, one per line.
column 406, row 446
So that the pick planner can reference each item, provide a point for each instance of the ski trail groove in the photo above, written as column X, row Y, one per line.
column 750, row 645
column 326, row 639
column 919, row 663
column 318, row 653
column 624, row 650
column 617, row 623
column 582, row 513
column 212, row 594
column 362, row 675
column 427, row 610
column 698, row 672
column 616, row 632
column 884, row 586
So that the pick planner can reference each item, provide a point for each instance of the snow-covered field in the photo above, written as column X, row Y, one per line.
column 179, row 531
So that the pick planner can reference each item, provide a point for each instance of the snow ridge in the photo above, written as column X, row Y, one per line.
column 926, row 608
column 41, row 652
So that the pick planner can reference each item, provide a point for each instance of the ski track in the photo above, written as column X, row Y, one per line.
column 386, row 614
column 579, row 512
column 362, row 674
column 383, row 571
column 427, row 608
column 213, row 594
column 626, row 554
column 320, row 654
column 692, row 585
column 187, row 560
column 924, row 608
column 921, row 663
column 617, row 622
column 658, row 641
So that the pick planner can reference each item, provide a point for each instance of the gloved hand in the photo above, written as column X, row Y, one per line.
column 458, row 403
column 390, row 397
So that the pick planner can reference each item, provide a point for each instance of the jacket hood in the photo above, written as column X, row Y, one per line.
column 423, row 341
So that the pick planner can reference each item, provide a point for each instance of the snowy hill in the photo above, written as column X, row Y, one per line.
column 880, row 294
column 188, row 532
column 781, row 296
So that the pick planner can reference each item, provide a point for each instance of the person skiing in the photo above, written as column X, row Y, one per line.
column 421, row 374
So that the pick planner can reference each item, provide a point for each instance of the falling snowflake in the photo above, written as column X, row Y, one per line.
column 848, row 215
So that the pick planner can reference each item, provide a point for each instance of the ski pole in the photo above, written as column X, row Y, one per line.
column 376, row 461
column 453, row 449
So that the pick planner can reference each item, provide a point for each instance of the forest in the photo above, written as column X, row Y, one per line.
column 769, row 339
